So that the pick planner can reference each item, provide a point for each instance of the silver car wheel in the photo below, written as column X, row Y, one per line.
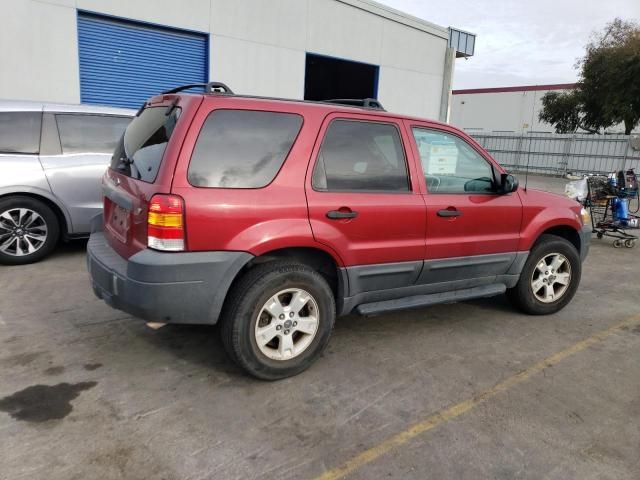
column 551, row 278
column 22, row 232
column 287, row 324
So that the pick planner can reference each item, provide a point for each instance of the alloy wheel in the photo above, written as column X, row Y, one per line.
column 551, row 278
column 22, row 232
column 287, row 324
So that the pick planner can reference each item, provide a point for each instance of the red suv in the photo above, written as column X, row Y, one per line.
column 274, row 216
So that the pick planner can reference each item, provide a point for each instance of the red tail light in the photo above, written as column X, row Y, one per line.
column 165, row 223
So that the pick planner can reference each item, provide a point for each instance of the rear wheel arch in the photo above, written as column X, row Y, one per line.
column 316, row 258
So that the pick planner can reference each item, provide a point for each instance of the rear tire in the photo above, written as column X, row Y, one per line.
column 277, row 319
column 550, row 277
column 29, row 230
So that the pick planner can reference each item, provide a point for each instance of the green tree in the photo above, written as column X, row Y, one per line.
column 608, row 89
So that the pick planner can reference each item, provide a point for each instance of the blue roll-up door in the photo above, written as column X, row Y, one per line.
column 123, row 63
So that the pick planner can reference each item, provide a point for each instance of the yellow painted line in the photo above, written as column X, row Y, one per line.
column 461, row 408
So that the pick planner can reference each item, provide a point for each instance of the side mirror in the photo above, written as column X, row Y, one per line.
column 508, row 183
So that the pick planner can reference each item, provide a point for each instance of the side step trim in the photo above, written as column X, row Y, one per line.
column 418, row 301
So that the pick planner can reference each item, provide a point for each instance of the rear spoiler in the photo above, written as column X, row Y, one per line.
column 211, row 87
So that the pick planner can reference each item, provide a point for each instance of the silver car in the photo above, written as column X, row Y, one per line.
column 52, row 158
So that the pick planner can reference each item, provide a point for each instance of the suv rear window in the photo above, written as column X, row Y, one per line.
column 242, row 148
column 140, row 150
column 20, row 132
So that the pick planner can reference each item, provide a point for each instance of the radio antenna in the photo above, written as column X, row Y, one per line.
column 526, row 171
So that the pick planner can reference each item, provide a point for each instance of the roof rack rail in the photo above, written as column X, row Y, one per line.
column 358, row 102
column 211, row 87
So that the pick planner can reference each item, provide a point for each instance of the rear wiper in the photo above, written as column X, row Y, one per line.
column 140, row 109
column 124, row 162
column 171, row 107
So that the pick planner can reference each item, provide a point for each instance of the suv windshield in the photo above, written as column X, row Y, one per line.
column 140, row 150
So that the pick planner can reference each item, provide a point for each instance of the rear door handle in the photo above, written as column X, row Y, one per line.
column 340, row 214
column 449, row 213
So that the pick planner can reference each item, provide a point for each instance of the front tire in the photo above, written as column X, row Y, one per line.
column 550, row 277
column 29, row 230
column 277, row 319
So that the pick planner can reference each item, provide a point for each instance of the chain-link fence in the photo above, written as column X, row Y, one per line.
column 559, row 154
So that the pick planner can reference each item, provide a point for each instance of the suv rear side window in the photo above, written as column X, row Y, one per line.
column 81, row 133
column 20, row 132
column 140, row 150
column 361, row 156
column 242, row 148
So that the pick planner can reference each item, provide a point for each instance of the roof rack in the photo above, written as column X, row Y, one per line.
column 211, row 87
column 222, row 89
column 358, row 102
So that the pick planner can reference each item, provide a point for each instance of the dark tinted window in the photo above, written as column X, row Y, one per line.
column 20, row 132
column 242, row 148
column 361, row 156
column 451, row 165
column 90, row 133
column 141, row 148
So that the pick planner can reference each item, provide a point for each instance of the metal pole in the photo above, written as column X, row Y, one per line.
column 447, row 82
column 518, row 151
column 568, row 147
column 627, row 145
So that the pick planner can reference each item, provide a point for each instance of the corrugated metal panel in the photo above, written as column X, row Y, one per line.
column 124, row 63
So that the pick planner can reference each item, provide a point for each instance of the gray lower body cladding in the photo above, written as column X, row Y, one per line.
column 190, row 287
column 388, row 287
column 421, row 283
column 585, row 241
column 174, row 287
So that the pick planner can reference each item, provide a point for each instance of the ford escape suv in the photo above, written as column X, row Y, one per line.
column 272, row 217
column 52, row 158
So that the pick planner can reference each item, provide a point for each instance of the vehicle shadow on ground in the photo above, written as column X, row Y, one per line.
column 196, row 344
column 499, row 303
column 71, row 247
column 201, row 346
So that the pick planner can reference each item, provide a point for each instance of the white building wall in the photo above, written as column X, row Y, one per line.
column 499, row 111
column 39, row 51
column 411, row 71
column 257, row 47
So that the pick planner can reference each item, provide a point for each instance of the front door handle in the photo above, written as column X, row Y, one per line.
column 340, row 214
column 449, row 212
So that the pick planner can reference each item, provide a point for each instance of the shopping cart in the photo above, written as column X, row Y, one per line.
column 612, row 202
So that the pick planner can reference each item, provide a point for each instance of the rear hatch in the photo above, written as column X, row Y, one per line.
column 142, row 166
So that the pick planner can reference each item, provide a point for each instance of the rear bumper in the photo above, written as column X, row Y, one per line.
column 183, row 287
column 585, row 241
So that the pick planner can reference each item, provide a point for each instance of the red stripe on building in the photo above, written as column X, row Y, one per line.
column 523, row 88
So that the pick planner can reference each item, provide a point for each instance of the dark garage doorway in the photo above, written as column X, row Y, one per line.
column 327, row 78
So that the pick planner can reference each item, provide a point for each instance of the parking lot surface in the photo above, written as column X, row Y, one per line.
column 470, row 390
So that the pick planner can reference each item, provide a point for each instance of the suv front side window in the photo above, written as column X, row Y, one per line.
column 451, row 165
column 361, row 156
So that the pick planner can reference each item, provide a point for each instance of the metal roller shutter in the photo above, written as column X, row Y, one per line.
column 123, row 63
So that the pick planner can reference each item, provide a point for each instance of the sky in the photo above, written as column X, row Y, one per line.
column 520, row 42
